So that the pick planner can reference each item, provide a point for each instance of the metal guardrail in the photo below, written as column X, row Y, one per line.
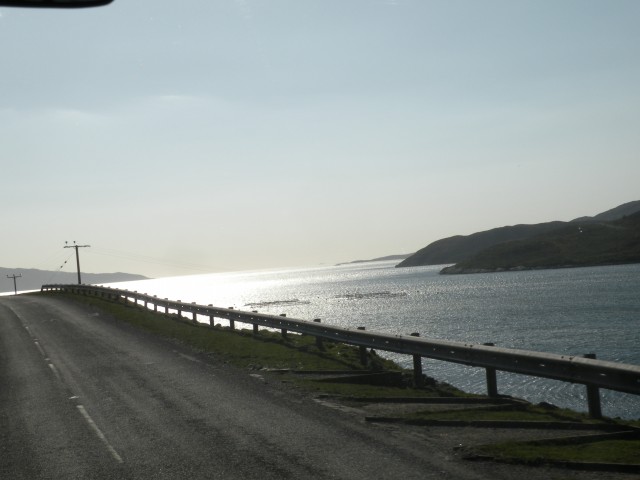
column 595, row 374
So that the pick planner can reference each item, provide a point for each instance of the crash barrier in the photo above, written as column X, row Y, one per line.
column 587, row 370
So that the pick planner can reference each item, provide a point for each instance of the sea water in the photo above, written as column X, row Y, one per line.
column 564, row 311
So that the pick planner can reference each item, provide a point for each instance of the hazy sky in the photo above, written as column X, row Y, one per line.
column 181, row 137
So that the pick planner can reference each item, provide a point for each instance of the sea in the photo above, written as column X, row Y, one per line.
column 572, row 311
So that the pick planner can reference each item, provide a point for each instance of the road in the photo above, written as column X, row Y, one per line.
column 85, row 396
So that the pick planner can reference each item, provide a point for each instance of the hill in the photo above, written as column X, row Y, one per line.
column 33, row 279
column 379, row 259
column 585, row 243
column 460, row 248
column 616, row 213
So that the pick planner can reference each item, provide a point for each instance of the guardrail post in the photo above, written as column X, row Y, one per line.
column 155, row 303
column 283, row 330
column 492, row 379
column 255, row 325
column 179, row 310
column 232, row 322
column 195, row 315
column 418, row 379
column 319, row 343
column 364, row 360
column 211, row 317
column 593, row 396
column 166, row 306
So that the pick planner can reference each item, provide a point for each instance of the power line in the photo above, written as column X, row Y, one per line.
column 77, row 256
column 54, row 273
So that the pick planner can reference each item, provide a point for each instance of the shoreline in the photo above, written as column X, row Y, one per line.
column 455, row 270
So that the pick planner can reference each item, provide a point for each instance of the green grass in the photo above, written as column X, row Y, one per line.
column 243, row 348
column 605, row 451
column 269, row 350
column 526, row 413
column 364, row 391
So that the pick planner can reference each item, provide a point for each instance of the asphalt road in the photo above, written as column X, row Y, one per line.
column 84, row 396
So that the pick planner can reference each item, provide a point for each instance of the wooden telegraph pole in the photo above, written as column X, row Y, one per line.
column 77, row 257
column 15, row 287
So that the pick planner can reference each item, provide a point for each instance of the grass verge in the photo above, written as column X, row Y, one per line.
column 269, row 350
column 622, row 452
column 520, row 413
column 243, row 348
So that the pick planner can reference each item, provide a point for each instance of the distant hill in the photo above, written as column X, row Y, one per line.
column 460, row 248
column 379, row 259
column 577, row 244
column 33, row 279
column 614, row 214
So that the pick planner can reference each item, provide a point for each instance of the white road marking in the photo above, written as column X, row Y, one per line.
column 55, row 371
column 40, row 348
column 81, row 408
column 100, row 435
column 189, row 357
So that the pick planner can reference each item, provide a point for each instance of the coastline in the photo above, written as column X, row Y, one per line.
column 456, row 270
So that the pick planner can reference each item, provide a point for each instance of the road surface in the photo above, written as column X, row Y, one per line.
column 85, row 396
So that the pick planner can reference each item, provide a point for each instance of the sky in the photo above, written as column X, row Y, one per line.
column 218, row 135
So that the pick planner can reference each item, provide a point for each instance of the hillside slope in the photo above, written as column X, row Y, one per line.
column 577, row 244
column 460, row 248
column 616, row 213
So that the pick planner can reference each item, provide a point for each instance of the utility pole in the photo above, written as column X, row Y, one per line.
column 77, row 256
column 15, row 287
